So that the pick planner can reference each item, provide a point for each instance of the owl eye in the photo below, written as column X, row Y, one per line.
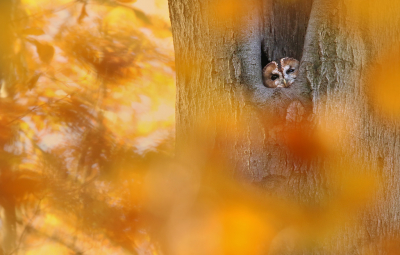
column 290, row 71
column 274, row 77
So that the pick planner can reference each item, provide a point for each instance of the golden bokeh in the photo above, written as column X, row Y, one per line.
column 87, row 115
column 383, row 86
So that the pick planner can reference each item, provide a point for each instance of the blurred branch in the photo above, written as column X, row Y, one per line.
column 53, row 237
column 9, row 223
column 25, row 230
column 37, row 107
column 113, row 221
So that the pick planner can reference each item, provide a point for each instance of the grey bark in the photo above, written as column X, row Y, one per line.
column 221, row 69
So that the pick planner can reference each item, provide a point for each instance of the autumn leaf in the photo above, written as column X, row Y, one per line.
column 45, row 51
column 32, row 31
column 142, row 16
column 33, row 80
column 83, row 14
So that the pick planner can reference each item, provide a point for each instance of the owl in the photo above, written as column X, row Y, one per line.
column 272, row 76
column 283, row 76
column 289, row 69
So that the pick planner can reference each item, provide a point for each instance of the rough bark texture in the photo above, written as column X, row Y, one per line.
column 219, row 79
column 338, row 56
column 219, row 65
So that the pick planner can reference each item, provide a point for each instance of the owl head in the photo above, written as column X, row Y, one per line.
column 290, row 69
column 272, row 77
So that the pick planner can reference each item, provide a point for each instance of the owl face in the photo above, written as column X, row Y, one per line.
column 290, row 69
column 272, row 77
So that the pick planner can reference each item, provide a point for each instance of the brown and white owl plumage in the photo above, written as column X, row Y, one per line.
column 290, row 69
column 283, row 76
column 272, row 76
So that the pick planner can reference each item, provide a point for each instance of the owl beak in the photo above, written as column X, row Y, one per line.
column 284, row 81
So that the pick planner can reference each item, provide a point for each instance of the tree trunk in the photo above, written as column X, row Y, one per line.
column 222, row 105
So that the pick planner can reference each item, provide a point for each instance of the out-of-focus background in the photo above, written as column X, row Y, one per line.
column 87, row 103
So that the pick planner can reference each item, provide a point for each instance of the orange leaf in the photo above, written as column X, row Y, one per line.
column 83, row 14
column 45, row 51
column 32, row 81
column 32, row 31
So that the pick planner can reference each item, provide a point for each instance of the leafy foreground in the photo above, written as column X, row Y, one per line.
column 87, row 117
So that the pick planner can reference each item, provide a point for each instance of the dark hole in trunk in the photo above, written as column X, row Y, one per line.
column 285, row 27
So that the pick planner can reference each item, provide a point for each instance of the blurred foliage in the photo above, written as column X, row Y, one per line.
column 87, row 101
column 86, row 135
